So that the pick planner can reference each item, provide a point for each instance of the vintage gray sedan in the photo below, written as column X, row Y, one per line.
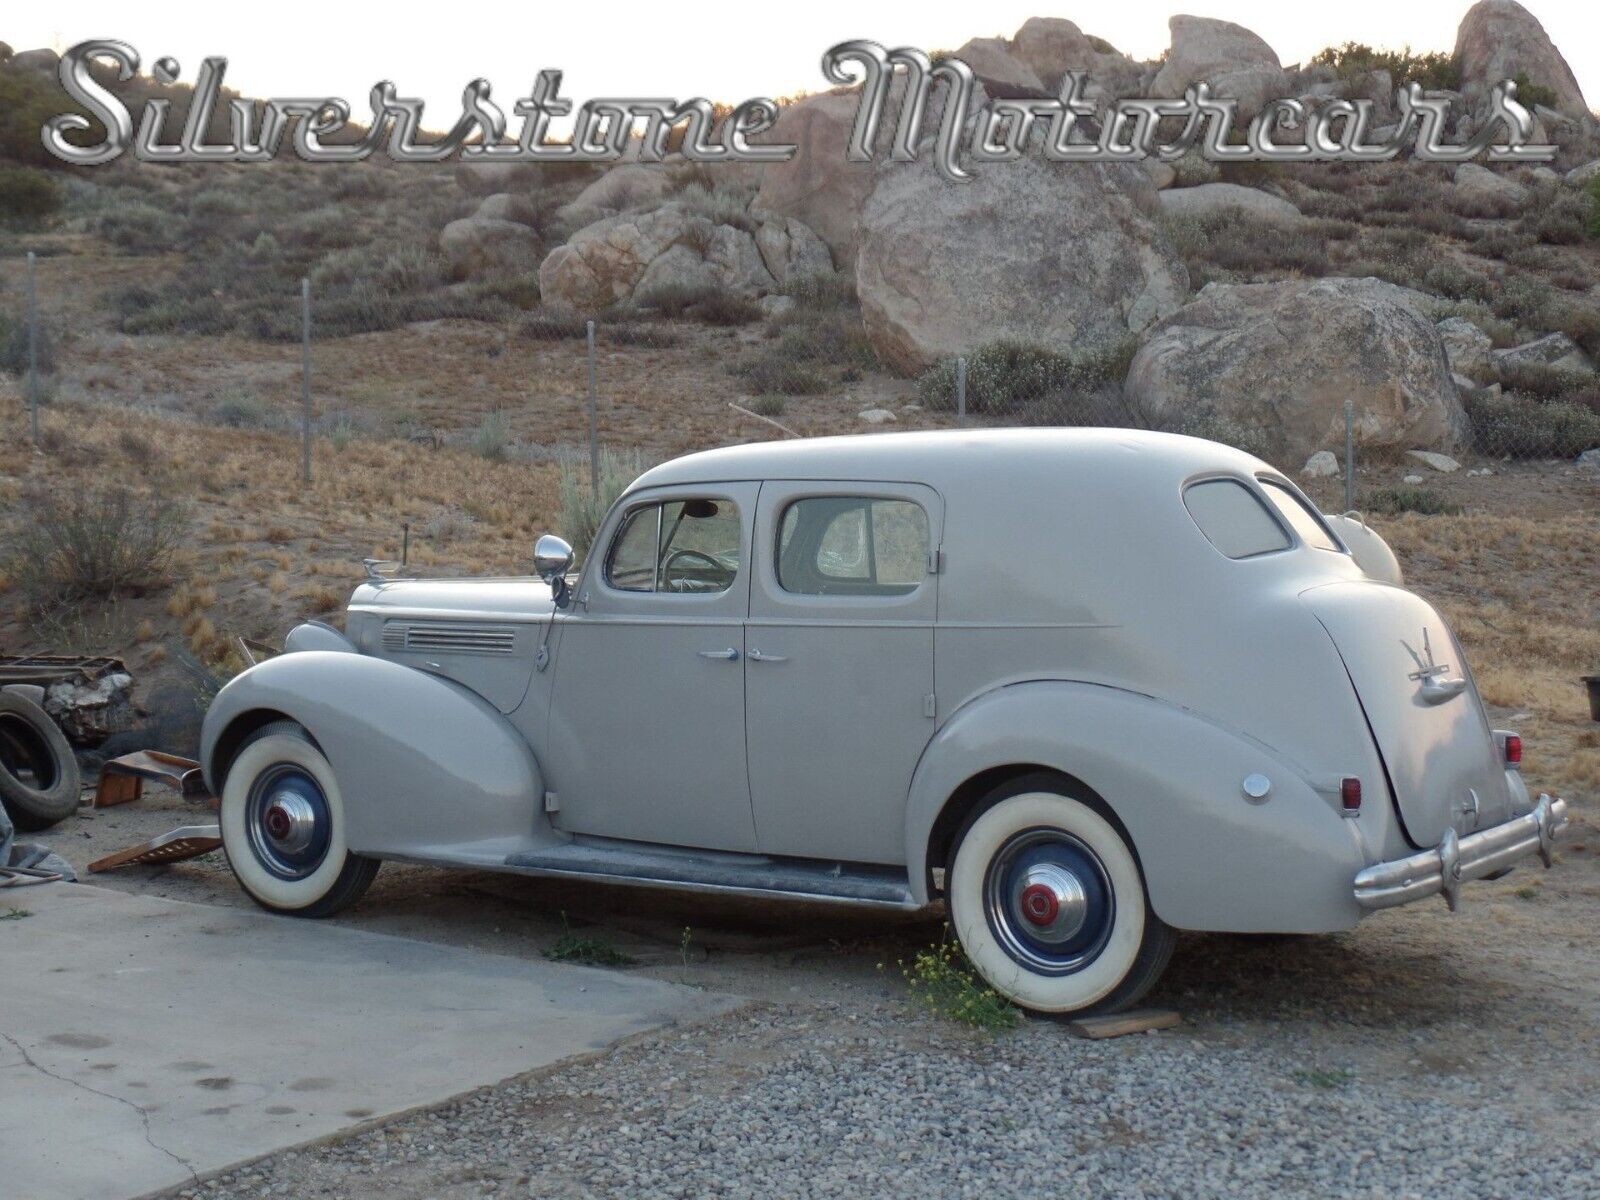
column 1089, row 687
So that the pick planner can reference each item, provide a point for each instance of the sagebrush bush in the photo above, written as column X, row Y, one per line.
column 1392, row 501
column 1520, row 426
column 1433, row 70
column 552, row 325
column 492, row 439
column 1007, row 376
column 710, row 303
column 775, row 373
column 14, row 347
column 584, row 507
column 27, row 195
column 94, row 543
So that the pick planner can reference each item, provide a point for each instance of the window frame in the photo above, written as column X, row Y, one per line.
column 1252, row 488
column 1266, row 480
column 614, row 528
column 867, row 499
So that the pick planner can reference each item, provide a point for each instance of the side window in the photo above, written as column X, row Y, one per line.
column 852, row 546
column 683, row 546
column 1312, row 529
column 1234, row 520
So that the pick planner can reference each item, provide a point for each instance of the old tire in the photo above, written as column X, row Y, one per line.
column 39, row 780
column 1049, row 903
column 283, row 826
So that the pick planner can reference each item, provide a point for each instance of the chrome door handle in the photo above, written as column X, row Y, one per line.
column 757, row 656
column 1437, row 691
column 728, row 655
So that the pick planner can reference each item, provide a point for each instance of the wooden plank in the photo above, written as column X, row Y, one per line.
column 1138, row 1020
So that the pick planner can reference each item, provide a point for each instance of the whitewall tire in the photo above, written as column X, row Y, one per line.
column 283, row 826
column 1049, row 903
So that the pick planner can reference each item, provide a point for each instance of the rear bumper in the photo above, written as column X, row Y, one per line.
column 1456, row 860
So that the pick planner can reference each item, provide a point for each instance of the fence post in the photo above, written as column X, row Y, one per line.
column 594, row 427
column 1349, row 455
column 961, row 391
column 33, row 351
column 305, row 380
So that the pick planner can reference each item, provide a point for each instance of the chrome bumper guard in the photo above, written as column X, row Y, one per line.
column 1456, row 860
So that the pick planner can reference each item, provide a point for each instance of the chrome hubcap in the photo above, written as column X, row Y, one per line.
column 288, row 821
column 1049, row 901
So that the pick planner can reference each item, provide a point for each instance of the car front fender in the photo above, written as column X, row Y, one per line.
column 1213, row 858
column 423, row 764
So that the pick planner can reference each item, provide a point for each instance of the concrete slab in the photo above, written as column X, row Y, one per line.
column 147, row 1041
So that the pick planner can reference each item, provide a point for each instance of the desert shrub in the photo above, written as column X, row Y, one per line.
column 1333, row 205
column 141, row 228
column 1502, row 333
column 14, row 347
column 1434, row 71
column 1542, row 381
column 822, row 290
column 27, row 195
column 1580, row 321
column 1010, row 376
column 655, row 337
column 722, row 205
column 1591, row 221
column 240, row 410
column 1522, row 298
column 1393, row 501
column 1530, row 93
column 777, row 373
column 1520, row 426
column 1483, row 205
column 1501, row 243
column 584, row 507
column 93, row 543
column 1224, row 240
column 492, row 439
column 709, row 303
column 1459, row 282
column 941, row 980
column 767, row 406
column 27, row 100
column 1557, row 215
column 552, row 325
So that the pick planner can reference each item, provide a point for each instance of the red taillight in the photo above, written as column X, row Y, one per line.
column 1513, row 750
column 1350, row 796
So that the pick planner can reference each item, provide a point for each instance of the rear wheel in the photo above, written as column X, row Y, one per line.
column 283, row 827
column 1049, row 903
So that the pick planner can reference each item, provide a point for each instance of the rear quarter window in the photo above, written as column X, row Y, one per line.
column 1306, row 521
column 1234, row 519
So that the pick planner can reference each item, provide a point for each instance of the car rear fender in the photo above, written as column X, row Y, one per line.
column 1213, row 858
column 422, row 763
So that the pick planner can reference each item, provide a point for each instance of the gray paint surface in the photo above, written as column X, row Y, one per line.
column 167, row 1039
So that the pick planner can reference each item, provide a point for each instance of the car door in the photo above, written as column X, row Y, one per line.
column 839, row 664
column 646, row 730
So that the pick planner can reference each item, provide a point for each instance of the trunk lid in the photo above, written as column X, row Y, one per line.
column 1412, row 680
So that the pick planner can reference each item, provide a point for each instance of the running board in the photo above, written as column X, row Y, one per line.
column 740, row 874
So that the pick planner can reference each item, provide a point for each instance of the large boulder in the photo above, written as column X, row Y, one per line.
column 508, row 206
column 627, row 185
column 1002, row 73
column 34, row 60
column 1052, row 46
column 632, row 255
column 1475, row 182
column 1498, row 39
column 1278, row 361
column 1234, row 61
column 1468, row 348
column 1064, row 254
column 818, row 186
column 480, row 245
column 1232, row 199
column 1552, row 350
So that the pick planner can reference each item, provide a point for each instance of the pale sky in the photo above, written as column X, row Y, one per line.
column 727, row 52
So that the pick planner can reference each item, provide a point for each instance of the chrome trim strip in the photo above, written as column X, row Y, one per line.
column 1457, row 860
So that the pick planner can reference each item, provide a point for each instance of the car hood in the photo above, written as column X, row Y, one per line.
column 510, row 599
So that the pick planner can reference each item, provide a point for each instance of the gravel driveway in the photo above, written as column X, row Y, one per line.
column 1419, row 1055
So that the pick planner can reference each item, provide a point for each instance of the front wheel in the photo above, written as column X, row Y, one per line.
column 1049, row 904
column 283, row 827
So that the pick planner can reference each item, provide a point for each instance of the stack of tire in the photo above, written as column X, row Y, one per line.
column 39, row 780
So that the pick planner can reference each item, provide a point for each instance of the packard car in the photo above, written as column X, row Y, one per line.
column 1088, row 688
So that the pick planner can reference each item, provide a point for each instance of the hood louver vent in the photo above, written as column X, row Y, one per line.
column 448, row 637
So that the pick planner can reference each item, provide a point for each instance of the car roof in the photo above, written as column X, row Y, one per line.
column 951, row 458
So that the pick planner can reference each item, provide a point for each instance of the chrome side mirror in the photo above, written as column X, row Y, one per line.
column 552, row 559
